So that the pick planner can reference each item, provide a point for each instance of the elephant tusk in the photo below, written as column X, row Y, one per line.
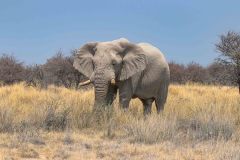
column 113, row 82
column 85, row 83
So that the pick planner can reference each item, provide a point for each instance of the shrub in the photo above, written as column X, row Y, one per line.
column 55, row 119
column 35, row 76
column 208, row 130
column 59, row 70
column 220, row 74
column 151, row 129
column 11, row 70
column 196, row 73
column 177, row 72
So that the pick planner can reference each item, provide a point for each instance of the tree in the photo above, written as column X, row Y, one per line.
column 196, row 73
column 11, row 70
column 35, row 76
column 229, row 47
column 220, row 74
column 59, row 70
column 177, row 73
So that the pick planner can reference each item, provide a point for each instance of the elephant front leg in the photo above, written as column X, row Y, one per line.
column 125, row 95
column 124, row 102
column 112, row 92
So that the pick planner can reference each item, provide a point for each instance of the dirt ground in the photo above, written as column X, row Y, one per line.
column 91, row 145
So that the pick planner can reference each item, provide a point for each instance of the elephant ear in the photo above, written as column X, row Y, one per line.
column 134, row 60
column 83, row 60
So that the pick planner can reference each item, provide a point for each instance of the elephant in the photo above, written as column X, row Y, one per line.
column 134, row 70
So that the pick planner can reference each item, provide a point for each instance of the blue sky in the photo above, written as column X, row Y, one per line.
column 184, row 30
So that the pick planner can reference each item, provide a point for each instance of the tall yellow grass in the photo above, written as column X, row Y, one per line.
column 192, row 111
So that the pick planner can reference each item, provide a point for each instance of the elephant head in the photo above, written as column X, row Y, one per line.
column 105, row 63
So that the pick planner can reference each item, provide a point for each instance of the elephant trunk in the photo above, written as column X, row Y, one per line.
column 105, row 88
column 101, row 85
column 101, row 89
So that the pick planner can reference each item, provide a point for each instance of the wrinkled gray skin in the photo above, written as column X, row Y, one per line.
column 140, row 71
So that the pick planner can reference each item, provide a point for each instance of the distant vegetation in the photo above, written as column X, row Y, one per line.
column 59, row 71
column 215, row 73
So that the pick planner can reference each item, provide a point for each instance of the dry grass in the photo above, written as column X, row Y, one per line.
column 199, row 122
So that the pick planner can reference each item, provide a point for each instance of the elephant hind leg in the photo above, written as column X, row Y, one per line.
column 161, row 100
column 147, row 104
column 160, row 105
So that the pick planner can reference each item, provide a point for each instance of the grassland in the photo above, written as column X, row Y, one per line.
column 199, row 122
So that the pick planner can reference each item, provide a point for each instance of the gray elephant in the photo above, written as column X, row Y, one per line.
column 136, row 70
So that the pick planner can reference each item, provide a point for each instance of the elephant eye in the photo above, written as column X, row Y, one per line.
column 114, row 62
